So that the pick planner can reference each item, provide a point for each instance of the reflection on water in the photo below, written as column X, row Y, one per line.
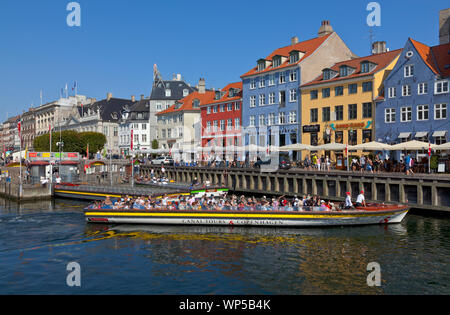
column 131, row 259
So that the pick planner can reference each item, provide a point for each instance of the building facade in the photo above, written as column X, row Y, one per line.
column 338, row 106
column 28, row 129
column 221, row 119
column 179, row 126
column 271, row 112
column 416, row 96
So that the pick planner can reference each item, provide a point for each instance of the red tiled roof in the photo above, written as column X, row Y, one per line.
column 186, row 103
column 225, row 97
column 436, row 57
column 307, row 47
column 381, row 60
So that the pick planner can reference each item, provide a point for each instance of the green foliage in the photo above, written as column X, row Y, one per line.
column 73, row 141
column 155, row 144
column 434, row 162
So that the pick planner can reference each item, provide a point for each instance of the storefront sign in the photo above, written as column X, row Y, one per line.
column 311, row 128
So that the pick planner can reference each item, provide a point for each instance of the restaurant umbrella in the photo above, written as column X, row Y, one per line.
column 412, row 145
column 371, row 146
column 442, row 147
column 295, row 147
column 331, row 147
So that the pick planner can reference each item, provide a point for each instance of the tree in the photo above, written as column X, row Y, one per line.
column 155, row 144
column 95, row 140
column 73, row 141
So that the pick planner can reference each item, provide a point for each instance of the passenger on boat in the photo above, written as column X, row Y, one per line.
column 348, row 202
column 360, row 200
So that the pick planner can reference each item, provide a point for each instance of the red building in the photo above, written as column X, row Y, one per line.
column 222, row 118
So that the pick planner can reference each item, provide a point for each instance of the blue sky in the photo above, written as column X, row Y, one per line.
column 119, row 41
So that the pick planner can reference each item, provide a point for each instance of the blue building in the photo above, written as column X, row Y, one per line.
column 271, row 96
column 416, row 96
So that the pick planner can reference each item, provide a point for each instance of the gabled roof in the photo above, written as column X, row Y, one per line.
column 185, row 104
column 109, row 110
column 226, row 97
column 176, row 88
column 381, row 60
column 308, row 47
column 436, row 57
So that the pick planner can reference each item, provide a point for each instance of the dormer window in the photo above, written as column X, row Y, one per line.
column 276, row 61
column 343, row 71
column 168, row 93
column 261, row 64
column 294, row 57
column 365, row 67
column 196, row 103
column 231, row 93
column 327, row 74
column 177, row 105
column 218, row 95
column 185, row 92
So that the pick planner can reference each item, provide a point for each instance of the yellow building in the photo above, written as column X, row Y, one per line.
column 339, row 106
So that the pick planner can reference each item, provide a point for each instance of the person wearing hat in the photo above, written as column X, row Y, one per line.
column 360, row 200
column 348, row 201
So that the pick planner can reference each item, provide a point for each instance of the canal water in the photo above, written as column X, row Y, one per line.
column 39, row 240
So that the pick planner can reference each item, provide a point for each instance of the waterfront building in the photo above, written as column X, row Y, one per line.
column 221, row 119
column 135, row 118
column 416, row 96
column 338, row 106
column 11, row 134
column 179, row 126
column 99, row 116
column 28, row 129
column 271, row 94
column 164, row 94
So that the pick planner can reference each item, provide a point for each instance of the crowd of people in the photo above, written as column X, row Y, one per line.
column 228, row 203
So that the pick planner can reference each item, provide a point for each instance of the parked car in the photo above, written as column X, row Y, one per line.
column 162, row 160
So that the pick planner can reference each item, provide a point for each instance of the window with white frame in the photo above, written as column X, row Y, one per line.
column 405, row 114
column 262, row 99
column 215, row 125
column 272, row 98
column 422, row 112
column 282, row 118
column 282, row 78
column 293, row 95
column 215, row 109
column 392, row 92
column 271, row 79
column 253, row 101
column 237, row 123
column 230, row 124
column 409, row 71
column 168, row 93
column 271, row 120
column 293, row 75
column 208, row 126
column 262, row 120
column 252, row 83
column 222, row 125
column 406, row 90
column 422, row 88
column 441, row 87
column 440, row 111
column 229, row 107
column 292, row 117
column 252, row 121
column 208, row 110
column 237, row 106
column 389, row 114
column 180, row 132
column 262, row 82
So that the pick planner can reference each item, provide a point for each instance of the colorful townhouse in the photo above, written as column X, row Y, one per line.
column 271, row 102
column 179, row 126
column 338, row 106
column 416, row 96
column 221, row 119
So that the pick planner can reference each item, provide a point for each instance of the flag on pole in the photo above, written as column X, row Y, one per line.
column 19, row 127
column 131, row 143
column 87, row 151
column 429, row 149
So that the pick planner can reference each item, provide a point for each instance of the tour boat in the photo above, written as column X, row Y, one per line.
column 371, row 214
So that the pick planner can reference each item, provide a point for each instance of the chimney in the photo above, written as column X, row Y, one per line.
column 325, row 29
column 108, row 96
column 444, row 26
column 142, row 97
column 133, row 99
column 201, row 86
column 294, row 40
column 379, row 48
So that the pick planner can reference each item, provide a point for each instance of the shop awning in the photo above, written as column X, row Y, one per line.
column 439, row 134
column 404, row 135
column 421, row 134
